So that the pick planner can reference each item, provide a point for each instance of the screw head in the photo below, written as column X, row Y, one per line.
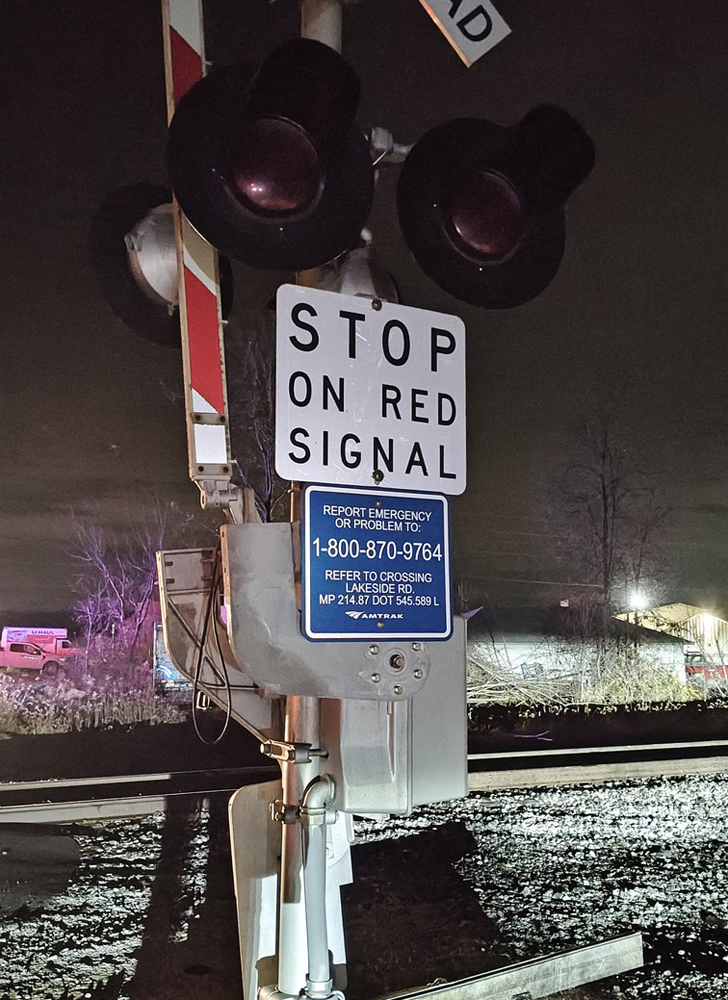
column 376, row 304
column 376, row 678
column 417, row 674
column 374, row 649
column 398, row 689
column 377, row 475
column 380, row 624
column 416, row 646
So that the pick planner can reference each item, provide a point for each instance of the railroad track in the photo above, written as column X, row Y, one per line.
column 77, row 800
column 523, row 769
column 124, row 796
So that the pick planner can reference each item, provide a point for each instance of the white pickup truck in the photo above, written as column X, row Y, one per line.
column 37, row 649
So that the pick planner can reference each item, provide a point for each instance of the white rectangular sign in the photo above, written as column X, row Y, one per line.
column 368, row 393
column 472, row 27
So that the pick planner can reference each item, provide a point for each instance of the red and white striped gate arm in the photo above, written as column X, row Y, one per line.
column 208, row 441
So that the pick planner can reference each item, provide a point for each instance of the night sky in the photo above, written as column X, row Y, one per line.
column 91, row 417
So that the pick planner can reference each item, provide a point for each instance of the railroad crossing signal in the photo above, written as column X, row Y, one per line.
column 481, row 206
column 271, row 170
column 133, row 254
column 269, row 167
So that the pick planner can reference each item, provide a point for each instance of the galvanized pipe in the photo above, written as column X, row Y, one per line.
column 302, row 726
column 320, row 20
column 316, row 799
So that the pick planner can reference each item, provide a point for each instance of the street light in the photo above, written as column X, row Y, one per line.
column 637, row 603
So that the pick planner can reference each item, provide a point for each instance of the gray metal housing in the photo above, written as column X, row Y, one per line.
column 265, row 630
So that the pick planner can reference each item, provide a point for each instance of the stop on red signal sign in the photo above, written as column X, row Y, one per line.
column 369, row 393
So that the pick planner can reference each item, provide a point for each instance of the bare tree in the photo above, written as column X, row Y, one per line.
column 250, row 375
column 610, row 514
column 116, row 581
column 117, row 572
column 643, row 556
column 250, row 354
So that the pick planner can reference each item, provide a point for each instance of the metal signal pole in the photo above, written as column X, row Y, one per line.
column 303, row 962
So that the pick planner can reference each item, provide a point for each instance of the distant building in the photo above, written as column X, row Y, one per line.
column 532, row 648
column 704, row 633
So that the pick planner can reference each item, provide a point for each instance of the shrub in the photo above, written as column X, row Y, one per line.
column 574, row 671
column 100, row 696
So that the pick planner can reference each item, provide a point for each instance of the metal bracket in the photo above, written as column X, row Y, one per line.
column 384, row 149
column 291, row 753
column 208, row 418
column 222, row 494
column 282, row 813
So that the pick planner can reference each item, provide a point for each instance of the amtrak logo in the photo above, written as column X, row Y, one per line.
column 363, row 614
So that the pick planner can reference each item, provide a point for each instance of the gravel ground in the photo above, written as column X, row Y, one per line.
column 561, row 868
column 146, row 910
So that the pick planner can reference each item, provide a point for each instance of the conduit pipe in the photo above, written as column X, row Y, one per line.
column 315, row 803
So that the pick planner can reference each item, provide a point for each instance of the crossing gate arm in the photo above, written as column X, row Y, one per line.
column 208, row 437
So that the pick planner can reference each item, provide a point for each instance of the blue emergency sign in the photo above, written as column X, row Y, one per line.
column 376, row 565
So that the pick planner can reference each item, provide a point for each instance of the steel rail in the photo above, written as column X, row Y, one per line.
column 99, row 810
column 58, row 801
column 551, row 767
column 629, row 748
column 116, row 796
column 112, row 779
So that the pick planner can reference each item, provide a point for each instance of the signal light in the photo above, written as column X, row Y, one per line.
column 270, row 167
column 485, row 217
column 133, row 254
column 275, row 169
column 481, row 205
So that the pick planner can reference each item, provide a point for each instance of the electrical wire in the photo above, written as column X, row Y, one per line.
column 201, row 657
column 193, row 638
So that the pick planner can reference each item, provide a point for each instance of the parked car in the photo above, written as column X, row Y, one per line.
column 704, row 674
column 51, row 640
column 29, row 656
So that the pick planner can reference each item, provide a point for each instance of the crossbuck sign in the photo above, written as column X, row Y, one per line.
column 368, row 393
column 472, row 27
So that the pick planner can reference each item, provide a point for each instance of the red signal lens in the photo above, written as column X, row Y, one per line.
column 275, row 168
column 485, row 217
